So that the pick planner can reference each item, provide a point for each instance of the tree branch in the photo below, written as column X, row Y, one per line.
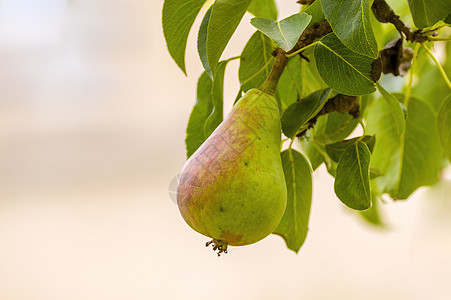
column 339, row 103
column 305, row 2
column 385, row 14
column 309, row 35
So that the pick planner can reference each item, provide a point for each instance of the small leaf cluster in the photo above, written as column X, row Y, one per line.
column 330, row 88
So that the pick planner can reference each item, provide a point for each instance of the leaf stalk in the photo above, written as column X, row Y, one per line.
column 445, row 77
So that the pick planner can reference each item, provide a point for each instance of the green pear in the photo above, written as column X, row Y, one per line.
column 232, row 188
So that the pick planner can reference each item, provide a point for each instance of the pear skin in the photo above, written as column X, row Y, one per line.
column 233, row 188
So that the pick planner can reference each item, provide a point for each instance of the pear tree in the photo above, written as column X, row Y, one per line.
column 351, row 85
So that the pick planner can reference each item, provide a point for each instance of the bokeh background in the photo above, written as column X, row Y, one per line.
column 92, row 119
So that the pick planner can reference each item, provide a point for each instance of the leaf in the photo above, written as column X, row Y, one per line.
column 178, row 17
column 408, row 159
column 386, row 154
column 238, row 96
column 331, row 167
column 421, row 153
column 298, row 176
column 343, row 70
column 350, row 21
column 444, row 126
column 201, row 111
column 284, row 33
column 217, row 94
column 372, row 215
column 335, row 150
column 202, row 42
column 448, row 19
column 297, row 114
column 306, row 70
column 426, row 13
column 316, row 11
column 224, row 19
column 352, row 181
column 309, row 149
column 315, row 81
column 429, row 87
column 395, row 109
column 290, row 86
column 256, row 61
column 335, row 127
column 207, row 113
column 263, row 9
column 374, row 173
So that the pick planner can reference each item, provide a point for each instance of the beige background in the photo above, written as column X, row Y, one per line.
column 92, row 118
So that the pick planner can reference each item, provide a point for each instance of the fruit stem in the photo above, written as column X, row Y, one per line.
column 270, row 84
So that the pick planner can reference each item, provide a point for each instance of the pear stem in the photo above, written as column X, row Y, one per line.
column 270, row 84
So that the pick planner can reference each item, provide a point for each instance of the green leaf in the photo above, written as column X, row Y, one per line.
column 421, row 153
column 408, row 159
column 309, row 149
column 308, row 71
column 386, row 156
column 350, row 21
column 207, row 113
column 238, row 96
column 352, row 180
column 444, row 126
column 201, row 111
column 343, row 70
column 202, row 42
column 284, row 33
column 335, row 150
column 178, row 17
column 426, row 13
column 290, row 86
column 224, row 19
column 316, row 11
column 331, row 167
column 298, row 176
column 431, row 87
column 374, row 173
column 448, row 19
column 217, row 94
column 335, row 127
column 256, row 61
column 395, row 109
column 297, row 114
column 372, row 215
column 263, row 9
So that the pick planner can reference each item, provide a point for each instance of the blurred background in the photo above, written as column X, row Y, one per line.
column 92, row 121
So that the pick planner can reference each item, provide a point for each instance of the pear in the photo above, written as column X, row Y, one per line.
column 233, row 188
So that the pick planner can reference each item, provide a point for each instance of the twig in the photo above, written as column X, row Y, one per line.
column 340, row 103
column 385, row 14
column 307, row 37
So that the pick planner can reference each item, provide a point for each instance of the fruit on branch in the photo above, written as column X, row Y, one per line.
column 232, row 188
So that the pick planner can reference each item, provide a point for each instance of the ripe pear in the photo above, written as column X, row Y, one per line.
column 233, row 188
